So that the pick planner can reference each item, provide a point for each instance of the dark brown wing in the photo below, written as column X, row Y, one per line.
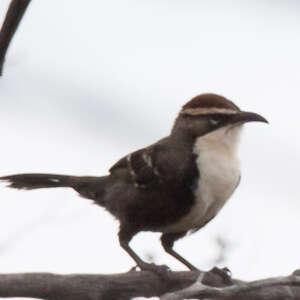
column 139, row 167
column 166, row 162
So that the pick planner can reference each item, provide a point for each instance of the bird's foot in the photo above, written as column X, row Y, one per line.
column 224, row 273
column 161, row 270
column 133, row 269
column 193, row 268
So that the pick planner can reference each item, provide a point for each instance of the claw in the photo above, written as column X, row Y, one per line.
column 133, row 269
column 225, row 273
column 161, row 270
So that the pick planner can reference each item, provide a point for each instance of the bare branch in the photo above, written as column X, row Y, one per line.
column 92, row 287
column 272, row 288
column 177, row 286
column 11, row 22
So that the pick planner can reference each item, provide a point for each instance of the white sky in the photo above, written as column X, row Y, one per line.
column 86, row 82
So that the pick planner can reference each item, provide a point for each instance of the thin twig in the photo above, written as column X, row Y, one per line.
column 11, row 22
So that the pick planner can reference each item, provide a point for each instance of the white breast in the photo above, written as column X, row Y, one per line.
column 219, row 170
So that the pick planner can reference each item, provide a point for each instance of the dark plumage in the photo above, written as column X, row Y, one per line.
column 158, row 187
column 207, row 100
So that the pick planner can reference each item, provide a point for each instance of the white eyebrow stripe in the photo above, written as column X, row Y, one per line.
column 208, row 111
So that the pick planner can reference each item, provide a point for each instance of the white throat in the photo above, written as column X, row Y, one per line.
column 224, row 141
column 219, row 170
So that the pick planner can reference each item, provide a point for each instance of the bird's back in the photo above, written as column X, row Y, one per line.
column 153, row 187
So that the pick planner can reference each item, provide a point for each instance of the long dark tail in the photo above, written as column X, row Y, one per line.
column 38, row 181
column 87, row 186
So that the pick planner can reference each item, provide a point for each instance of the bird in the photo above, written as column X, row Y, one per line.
column 175, row 186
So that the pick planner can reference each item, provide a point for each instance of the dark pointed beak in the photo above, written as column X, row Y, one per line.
column 245, row 117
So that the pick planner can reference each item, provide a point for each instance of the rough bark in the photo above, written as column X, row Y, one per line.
column 11, row 22
column 177, row 286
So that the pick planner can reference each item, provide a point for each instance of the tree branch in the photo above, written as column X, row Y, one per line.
column 11, row 22
column 177, row 286
column 273, row 288
column 93, row 287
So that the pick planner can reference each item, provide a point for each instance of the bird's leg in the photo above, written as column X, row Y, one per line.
column 167, row 240
column 124, row 237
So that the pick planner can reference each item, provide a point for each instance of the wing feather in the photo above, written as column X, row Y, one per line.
column 140, row 166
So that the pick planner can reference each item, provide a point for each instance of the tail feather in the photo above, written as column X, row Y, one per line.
column 38, row 181
column 87, row 186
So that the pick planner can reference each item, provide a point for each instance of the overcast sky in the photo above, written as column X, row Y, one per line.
column 86, row 82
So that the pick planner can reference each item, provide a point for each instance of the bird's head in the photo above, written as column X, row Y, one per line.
column 214, row 115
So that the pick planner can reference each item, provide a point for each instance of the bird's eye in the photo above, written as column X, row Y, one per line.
column 214, row 120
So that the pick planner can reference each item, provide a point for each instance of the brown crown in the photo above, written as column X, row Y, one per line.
column 210, row 101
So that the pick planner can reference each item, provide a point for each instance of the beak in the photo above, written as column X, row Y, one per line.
column 245, row 117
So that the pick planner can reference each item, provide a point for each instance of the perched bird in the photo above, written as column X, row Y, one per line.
column 174, row 186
